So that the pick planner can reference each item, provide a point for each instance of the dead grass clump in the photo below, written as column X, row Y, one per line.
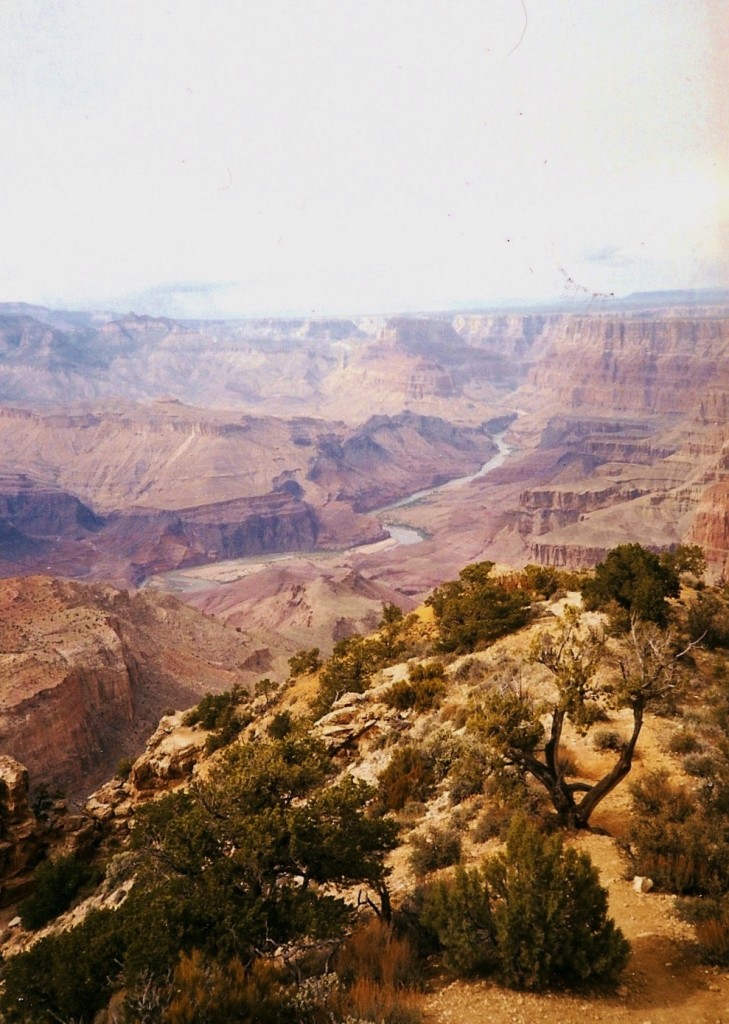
column 471, row 670
column 375, row 953
column 368, row 1001
column 701, row 766
column 685, row 741
column 378, row 970
column 454, row 712
column 493, row 823
column 710, row 918
column 712, row 935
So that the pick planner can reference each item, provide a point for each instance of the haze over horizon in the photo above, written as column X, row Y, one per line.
column 332, row 157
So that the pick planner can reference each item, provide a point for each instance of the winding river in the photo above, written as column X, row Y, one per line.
column 202, row 577
column 403, row 534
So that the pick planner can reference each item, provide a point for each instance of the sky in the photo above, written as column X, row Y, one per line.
column 319, row 157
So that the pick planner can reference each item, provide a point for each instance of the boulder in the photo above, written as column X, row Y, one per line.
column 642, row 884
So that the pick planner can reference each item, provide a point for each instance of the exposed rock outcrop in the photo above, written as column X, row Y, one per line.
column 86, row 672
column 20, row 841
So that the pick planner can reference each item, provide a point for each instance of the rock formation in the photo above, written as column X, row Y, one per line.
column 126, row 491
column 86, row 672
column 20, row 840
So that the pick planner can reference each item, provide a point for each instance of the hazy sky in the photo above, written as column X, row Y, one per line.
column 254, row 156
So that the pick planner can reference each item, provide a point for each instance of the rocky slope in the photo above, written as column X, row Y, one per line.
column 301, row 603
column 664, row 979
column 86, row 672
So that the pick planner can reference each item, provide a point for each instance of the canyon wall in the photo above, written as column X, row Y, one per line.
column 644, row 404
column 87, row 671
column 122, row 491
column 665, row 367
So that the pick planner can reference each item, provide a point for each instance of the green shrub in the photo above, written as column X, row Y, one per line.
column 222, row 715
column 423, row 690
column 707, row 621
column 350, row 669
column 266, row 688
column 475, row 610
column 281, row 725
column 535, row 916
column 426, row 671
column 444, row 748
column 437, row 848
column 305, row 662
column 457, row 911
column 467, row 776
column 124, row 768
column 56, row 884
column 212, row 710
column 68, row 976
column 541, row 580
column 637, row 581
column 233, row 723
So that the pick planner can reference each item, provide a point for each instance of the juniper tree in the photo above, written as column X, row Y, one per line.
column 645, row 672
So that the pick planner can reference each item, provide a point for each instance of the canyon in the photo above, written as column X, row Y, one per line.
column 250, row 469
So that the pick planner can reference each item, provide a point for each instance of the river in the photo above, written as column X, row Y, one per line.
column 404, row 534
column 214, row 574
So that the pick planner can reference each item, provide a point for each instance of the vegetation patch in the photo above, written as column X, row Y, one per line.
column 476, row 609
column 223, row 714
column 534, row 916
column 57, row 883
column 409, row 776
column 436, row 848
column 422, row 691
